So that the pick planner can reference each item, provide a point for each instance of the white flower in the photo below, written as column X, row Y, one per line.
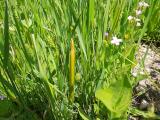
column 138, row 12
column 137, row 19
column 143, row 4
column 106, row 34
column 140, row 4
column 116, row 41
column 134, row 74
column 138, row 24
column 130, row 18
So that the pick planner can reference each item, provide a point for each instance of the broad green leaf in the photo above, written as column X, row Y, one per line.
column 117, row 97
column 106, row 96
column 116, row 101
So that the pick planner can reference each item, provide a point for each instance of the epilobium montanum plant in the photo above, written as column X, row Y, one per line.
column 116, row 41
column 39, row 75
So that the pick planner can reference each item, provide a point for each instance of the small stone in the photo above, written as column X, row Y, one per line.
column 132, row 118
column 142, row 73
column 148, row 69
column 140, row 89
column 144, row 104
column 144, row 83
column 156, row 66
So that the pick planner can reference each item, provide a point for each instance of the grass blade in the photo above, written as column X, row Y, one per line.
column 6, row 35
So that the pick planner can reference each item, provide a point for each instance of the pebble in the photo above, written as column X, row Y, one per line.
column 144, row 104
column 144, row 83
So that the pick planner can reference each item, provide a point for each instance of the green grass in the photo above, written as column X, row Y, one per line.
column 35, row 59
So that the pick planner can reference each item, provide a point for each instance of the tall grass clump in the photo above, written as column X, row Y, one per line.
column 70, row 59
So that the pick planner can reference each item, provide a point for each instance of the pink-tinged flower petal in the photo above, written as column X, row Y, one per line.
column 138, row 12
column 106, row 34
column 116, row 41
